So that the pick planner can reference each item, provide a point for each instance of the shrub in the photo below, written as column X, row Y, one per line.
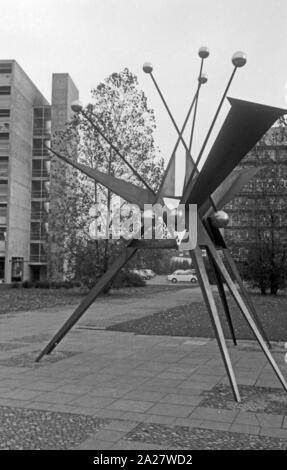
column 27, row 284
column 42, row 284
column 127, row 279
column 15, row 285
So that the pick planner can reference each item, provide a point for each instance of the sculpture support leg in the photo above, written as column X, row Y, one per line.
column 237, row 297
column 233, row 268
column 88, row 300
column 221, row 291
column 212, row 310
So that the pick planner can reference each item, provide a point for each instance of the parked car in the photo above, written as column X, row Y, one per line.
column 141, row 273
column 181, row 275
column 150, row 273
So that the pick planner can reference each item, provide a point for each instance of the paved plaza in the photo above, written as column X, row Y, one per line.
column 103, row 389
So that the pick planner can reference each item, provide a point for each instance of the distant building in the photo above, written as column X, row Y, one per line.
column 259, row 211
column 27, row 121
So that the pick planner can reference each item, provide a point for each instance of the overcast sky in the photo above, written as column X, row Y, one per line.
column 90, row 39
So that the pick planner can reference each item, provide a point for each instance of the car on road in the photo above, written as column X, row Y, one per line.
column 141, row 273
column 182, row 275
column 149, row 272
column 145, row 274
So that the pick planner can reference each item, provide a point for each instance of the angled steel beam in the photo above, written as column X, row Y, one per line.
column 88, row 300
column 239, row 301
column 231, row 186
column 197, row 259
column 243, row 127
column 128, row 191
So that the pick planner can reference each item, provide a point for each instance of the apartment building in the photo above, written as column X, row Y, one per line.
column 259, row 211
column 27, row 123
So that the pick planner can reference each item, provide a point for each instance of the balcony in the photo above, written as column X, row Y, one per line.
column 42, row 173
column 37, row 215
column 39, row 195
column 42, row 132
column 37, row 235
column 3, row 172
column 42, row 259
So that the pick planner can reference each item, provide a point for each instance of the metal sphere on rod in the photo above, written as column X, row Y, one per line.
column 220, row 219
column 203, row 78
column 239, row 59
column 147, row 67
column 76, row 106
column 203, row 52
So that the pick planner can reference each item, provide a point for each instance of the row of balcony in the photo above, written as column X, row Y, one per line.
column 39, row 173
column 38, row 259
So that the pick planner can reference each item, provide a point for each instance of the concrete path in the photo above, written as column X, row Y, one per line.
column 141, row 392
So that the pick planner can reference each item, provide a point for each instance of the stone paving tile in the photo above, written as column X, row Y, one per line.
column 272, row 421
column 11, row 346
column 179, row 399
column 28, row 359
column 56, row 397
column 144, row 396
column 274, row 432
column 245, row 428
column 20, row 394
column 188, row 422
column 109, row 392
column 92, row 401
column 38, row 338
column 246, row 418
column 121, row 425
column 216, row 425
column 159, row 419
column 135, row 416
column 166, row 409
column 109, row 435
column 131, row 405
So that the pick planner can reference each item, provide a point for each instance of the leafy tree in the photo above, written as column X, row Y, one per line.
column 262, row 215
column 119, row 108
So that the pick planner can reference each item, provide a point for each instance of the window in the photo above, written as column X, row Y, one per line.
column 2, row 268
column 17, row 269
column 4, row 112
column 4, row 163
column 5, row 90
column 39, row 147
column 2, row 234
column 5, row 67
column 4, row 136
column 3, row 210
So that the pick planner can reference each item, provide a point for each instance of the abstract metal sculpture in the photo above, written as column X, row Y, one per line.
column 210, row 189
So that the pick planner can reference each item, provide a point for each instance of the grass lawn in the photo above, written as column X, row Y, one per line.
column 193, row 320
column 21, row 299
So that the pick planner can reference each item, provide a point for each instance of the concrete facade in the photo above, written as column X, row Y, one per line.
column 64, row 92
column 25, row 129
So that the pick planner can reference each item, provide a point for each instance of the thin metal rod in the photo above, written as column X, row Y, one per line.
column 170, row 115
column 97, row 129
column 197, row 259
column 221, row 291
column 183, row 127
column 212, row 124
column 195, row 109
column 180, row 138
